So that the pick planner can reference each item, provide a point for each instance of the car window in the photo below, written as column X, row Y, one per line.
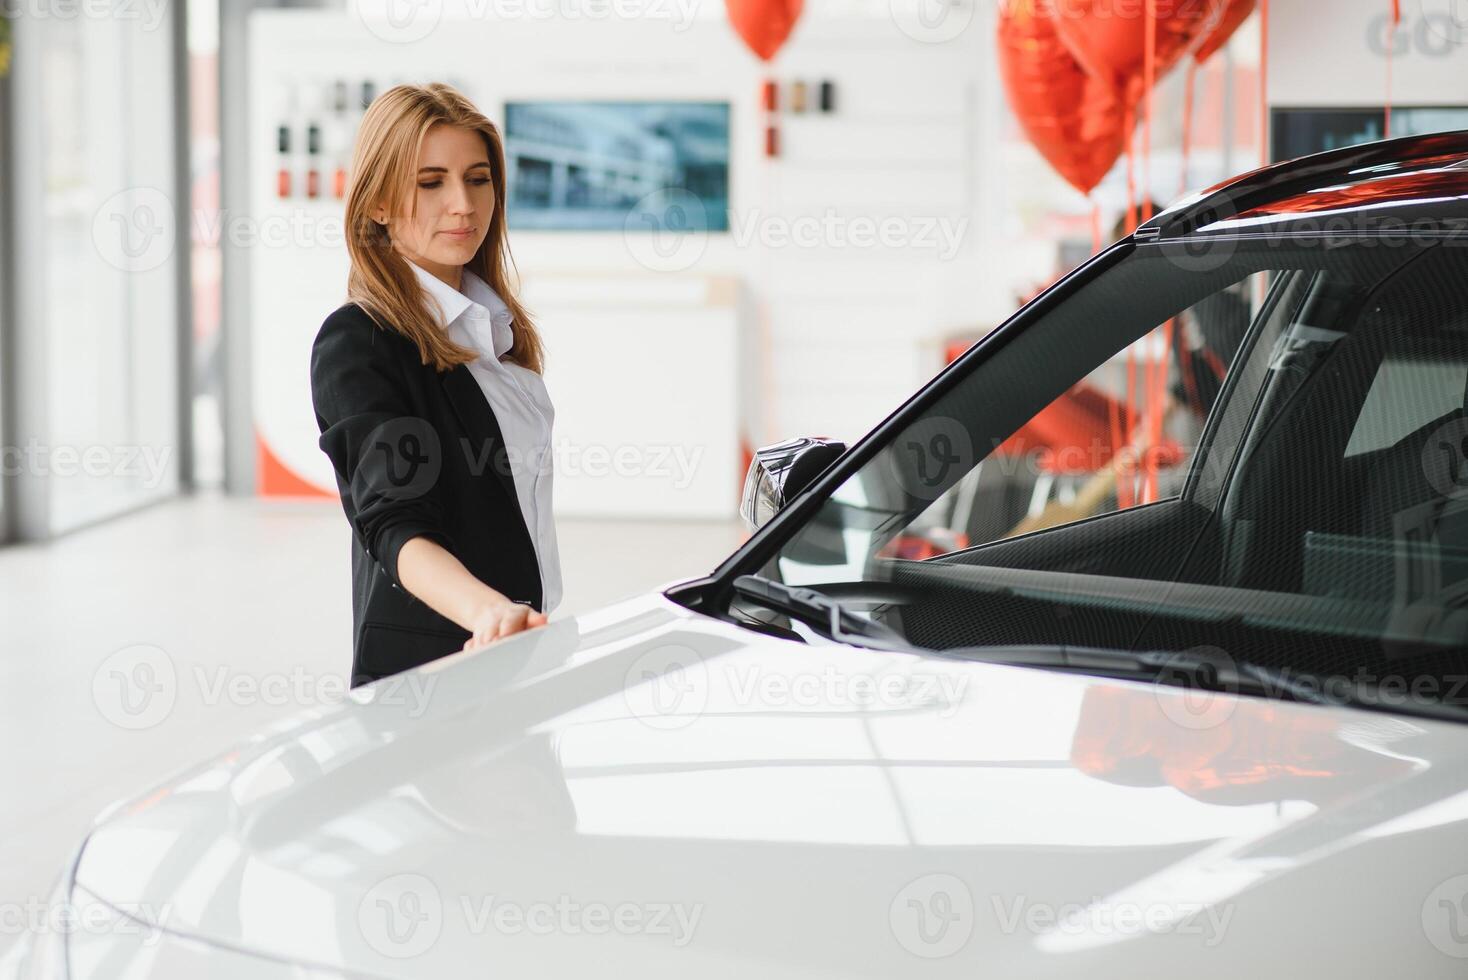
column 1124, row 436
column 1407, row 393
column 1304, row 508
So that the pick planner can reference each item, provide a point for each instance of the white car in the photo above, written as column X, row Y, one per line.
column 1041, row 678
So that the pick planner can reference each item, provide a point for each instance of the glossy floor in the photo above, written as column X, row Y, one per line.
column 250, row 604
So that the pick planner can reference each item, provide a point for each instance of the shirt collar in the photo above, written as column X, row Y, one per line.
column 453, row 304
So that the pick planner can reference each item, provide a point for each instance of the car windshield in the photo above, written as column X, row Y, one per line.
column 1255, row 450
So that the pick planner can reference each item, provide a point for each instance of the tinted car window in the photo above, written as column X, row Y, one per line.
column 1303, row 509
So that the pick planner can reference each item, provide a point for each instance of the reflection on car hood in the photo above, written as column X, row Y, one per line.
column 652, row 792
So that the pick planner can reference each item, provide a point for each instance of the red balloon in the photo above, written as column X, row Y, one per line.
column 1077, row 122
column 1109, row 37
column 1234, row 14
column 764, row 24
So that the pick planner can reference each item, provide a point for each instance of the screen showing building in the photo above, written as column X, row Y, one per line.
column 587, row 166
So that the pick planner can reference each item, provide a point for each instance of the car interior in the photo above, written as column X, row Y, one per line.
column 1337, row 545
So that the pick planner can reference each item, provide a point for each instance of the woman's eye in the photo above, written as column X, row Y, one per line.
column 436, row 183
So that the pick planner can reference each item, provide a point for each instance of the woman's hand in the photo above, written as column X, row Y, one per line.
column 431, row 573
column 500, row 618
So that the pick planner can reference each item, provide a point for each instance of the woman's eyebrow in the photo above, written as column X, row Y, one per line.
column 444, row 170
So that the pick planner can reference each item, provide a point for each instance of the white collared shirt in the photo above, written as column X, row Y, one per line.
column 478, row 319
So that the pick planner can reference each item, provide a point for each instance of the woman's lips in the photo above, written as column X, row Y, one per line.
column 460, row 233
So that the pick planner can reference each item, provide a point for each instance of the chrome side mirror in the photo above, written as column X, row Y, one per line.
column 778, row 474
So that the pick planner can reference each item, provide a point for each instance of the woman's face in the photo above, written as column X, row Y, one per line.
column 451, row 204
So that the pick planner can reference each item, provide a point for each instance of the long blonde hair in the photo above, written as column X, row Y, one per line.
column 383, row 173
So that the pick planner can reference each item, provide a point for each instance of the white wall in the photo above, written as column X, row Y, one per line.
column 1336, row 56
column 847, row 330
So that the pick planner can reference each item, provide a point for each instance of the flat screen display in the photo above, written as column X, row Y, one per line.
column 614, row 166
column 1300, row 132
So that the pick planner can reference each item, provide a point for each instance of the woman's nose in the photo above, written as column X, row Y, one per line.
column 459, row 201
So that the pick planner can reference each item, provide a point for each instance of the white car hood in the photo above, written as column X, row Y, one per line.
column 646, row 791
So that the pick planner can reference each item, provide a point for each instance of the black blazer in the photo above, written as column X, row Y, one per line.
column 416, row 452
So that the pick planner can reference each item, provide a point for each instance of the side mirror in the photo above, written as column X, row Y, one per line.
column 778, row 474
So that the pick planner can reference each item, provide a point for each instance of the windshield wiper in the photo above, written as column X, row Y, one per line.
column 820, row 612
column 1162, row 666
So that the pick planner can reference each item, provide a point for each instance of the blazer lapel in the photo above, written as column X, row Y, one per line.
column 482, row 430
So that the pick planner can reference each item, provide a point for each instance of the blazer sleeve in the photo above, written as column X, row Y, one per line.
column 371, row 435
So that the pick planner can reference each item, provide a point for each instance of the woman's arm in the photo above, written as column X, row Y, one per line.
column 430, row 572
column 363, row 412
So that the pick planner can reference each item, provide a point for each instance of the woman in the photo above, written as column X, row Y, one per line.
column 428, row 394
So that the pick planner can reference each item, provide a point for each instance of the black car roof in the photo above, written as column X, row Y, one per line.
column 1417, row 184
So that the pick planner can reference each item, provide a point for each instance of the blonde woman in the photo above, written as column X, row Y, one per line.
column 428, row 394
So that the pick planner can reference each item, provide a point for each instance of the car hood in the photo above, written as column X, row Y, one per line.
column 649, row 791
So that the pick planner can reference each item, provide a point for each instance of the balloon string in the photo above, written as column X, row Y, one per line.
column 1125, row 482
column 1157, row 407
column 1264, row 81
column 1150, row 71
column 1187, row 148
column 1130, row 124
column 1117, row 440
